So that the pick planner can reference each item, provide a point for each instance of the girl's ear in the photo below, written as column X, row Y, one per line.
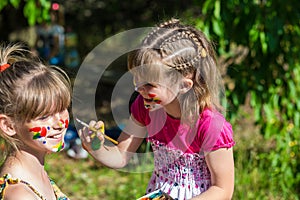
column 186, row 85
column 6, row 125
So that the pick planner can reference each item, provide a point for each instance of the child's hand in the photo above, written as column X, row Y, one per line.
column 92, row 138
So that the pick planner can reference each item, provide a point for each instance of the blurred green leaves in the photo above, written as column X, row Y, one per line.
column 270, row 30
column 34, row 10
column 266, row 78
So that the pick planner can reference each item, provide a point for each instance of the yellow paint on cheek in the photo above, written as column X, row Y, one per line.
column 60, row 124
column 58, row 147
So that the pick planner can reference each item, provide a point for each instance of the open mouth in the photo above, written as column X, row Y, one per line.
column 148, row 100
column 55, row 137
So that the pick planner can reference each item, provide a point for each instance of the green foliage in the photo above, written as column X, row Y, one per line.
column 269, row 75
column 34, row 10
column 266, row 81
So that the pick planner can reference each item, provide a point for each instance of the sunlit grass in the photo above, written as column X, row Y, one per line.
column 87, row 179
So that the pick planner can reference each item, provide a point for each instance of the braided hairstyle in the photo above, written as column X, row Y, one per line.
column 186, row 51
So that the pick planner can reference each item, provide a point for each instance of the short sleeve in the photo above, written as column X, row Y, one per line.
column 215, row 132
column 226, row 137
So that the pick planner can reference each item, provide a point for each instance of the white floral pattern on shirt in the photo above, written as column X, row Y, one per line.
column 181, row 175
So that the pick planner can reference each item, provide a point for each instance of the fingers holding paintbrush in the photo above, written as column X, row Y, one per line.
column 96, row 127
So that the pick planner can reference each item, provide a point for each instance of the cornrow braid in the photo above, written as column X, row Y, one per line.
column 176, row 47
column 161, row 30
column 185, row 34
column 170, row 23
column 171, row 31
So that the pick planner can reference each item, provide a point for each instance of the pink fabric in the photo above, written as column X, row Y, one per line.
column 180, row 169
column 211, row 131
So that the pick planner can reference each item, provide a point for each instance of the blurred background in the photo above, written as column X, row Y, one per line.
column 258, row 47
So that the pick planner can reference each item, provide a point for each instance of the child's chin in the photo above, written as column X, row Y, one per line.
column 58, row 147
column 155, row 107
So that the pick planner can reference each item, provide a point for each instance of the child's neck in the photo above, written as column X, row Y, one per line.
column 23, row 162
column 173, row 109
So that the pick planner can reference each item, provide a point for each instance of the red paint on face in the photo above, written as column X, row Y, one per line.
column 151, row 95
column 35, row 129
column 43, row 131
column 66, row 123
column 39, row 131
column 157, row 101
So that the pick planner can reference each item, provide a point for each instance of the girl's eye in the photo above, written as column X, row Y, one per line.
column 150, row 85
column 144, row 86
column 43, row 118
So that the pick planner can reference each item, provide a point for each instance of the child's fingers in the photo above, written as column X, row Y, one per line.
column 92, row 123
column 92, row 140
column 84, row 135
column 100, row 126
column 100, row 136
column 96, row 126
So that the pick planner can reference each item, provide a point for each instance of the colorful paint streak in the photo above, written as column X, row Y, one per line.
column 151, row 104
column 63, row 123
column 58, row 147
column 157, row 100
column 39, row 133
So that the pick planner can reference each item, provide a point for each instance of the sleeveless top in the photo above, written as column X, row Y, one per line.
column 8, row 180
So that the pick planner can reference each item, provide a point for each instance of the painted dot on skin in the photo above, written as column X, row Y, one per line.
column 48, row 128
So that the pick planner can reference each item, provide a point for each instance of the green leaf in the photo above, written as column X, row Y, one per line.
column 297, row 119
column 3, row 3
column 269, row 113
column 275, row 101
column 29, row 11
column 206, row 6
column 292, row 89
column 257, row 113
column 264, row 44
column 217, row 27
column 15, row 3
column 217, row 10
column 253, row 34
column 253, row 99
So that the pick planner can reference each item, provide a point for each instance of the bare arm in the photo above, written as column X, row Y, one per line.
column 221, row 166
column 115, row 156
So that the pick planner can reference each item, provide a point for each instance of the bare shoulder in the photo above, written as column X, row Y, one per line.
column 19, row 192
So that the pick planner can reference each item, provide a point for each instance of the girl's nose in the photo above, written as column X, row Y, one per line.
column 57, row 120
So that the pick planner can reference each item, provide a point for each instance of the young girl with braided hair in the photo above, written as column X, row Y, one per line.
column 33, row 121
column 178, row 106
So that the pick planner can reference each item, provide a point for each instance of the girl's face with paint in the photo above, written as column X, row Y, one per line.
column 47, row 132
column 158, row 84
column 155, row 95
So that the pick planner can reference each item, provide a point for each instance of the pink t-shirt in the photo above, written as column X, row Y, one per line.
column 210, row 132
